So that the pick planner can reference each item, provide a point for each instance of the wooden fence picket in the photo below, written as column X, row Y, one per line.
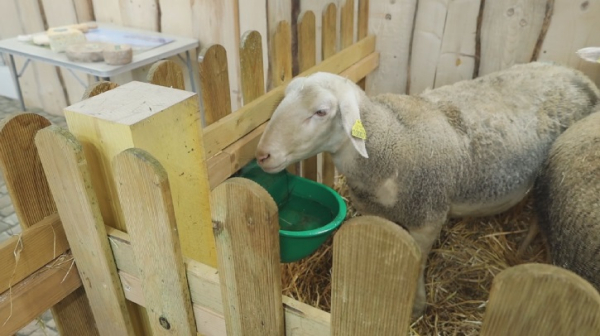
column 246, row 226
column 539, row 300
column 145, row 196
column 214, row 83
column 252, row 67
column 328, row 49
column 347, row 24
column 362, row 29
column 376, row 264
column 166, row 73
column 32, row 200
column 307, row 58
column 69, row 179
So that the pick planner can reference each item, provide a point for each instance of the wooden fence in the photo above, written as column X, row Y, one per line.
column 133, row 223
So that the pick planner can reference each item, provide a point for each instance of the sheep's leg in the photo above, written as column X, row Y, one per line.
column 534, row 229
column 425, row 236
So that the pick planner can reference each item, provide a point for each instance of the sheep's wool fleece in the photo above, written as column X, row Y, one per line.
column 567, row 196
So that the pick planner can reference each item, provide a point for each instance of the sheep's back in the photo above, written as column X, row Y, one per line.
column 567, row 199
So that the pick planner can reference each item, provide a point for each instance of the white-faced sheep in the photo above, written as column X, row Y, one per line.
column 473, row 148
column 567, row 199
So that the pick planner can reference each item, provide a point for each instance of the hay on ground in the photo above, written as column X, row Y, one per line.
column 460, row 268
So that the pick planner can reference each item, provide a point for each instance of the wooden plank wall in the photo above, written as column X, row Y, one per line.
column 429, row 43
column 423, row 43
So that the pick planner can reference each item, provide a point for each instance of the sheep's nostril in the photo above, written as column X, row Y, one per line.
column 263, row 157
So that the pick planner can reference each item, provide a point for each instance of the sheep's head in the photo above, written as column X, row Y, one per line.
column 316, row 115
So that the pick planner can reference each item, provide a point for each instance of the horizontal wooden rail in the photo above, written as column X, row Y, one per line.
column 20, row 256
column 227, row 130
column 232, row 158
column 37, row 293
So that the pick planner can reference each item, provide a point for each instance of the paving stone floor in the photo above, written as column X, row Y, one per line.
column 9, row 223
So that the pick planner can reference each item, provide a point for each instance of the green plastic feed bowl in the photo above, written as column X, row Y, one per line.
column 308, row 211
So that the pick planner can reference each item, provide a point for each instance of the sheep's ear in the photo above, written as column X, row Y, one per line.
column 350, row 114
column 295, row 84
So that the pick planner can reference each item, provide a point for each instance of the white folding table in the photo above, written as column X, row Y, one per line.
column 30, row 51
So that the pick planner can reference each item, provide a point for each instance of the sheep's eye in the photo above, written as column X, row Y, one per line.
column 321, row 113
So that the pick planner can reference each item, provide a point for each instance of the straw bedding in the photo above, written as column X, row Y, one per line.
column 460, row 268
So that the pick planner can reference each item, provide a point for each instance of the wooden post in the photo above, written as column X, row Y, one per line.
column 33, row 201
column 539, row 300
column 328, row 48
column 376, row 265
column 164, row 122
column 69, row 179
column 246, row 227
column 214, row 80
column 145, row 196
column 251, row 65
column 166, row 73
column 307, row 58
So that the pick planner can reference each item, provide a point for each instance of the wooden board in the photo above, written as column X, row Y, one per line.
column 328, row 48
column 36, row 247
column 362, row 29
column 246, row 229
column 571, row 29
column 253, row 17
column 166, row 73
column 214, row 81
column 229, row 129
column 281, row 55
column 457, row 54
column 142, row 185
column 68, row 176
column 509, row 32
column 347, row 28
column 97, row 88
column 251, row 63
column 539, row 299
column 37, row 293
column 224, row 164
column 217, row 22
column 142, row 14
column 392, row 23
column 33, row 202
column 307, row 45
column 277, row 11
column 370, row 296
column 164, row 122
column 22, row 169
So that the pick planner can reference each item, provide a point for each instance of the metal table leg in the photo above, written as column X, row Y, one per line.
column 15, row 77
column 191, row 70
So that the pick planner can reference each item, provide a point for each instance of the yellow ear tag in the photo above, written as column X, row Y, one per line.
column 358, row 130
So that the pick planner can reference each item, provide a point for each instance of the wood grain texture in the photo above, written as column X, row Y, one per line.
column 37, row 293
column 251, row 65
column 509, row 32
column 347, row 24
column 277, row 12
column 84, row 10
column 166, row 73
column 217, row 22
column 253, row 17
column 142, row 14
column 70, row 181
column 376, row 265
column 214, row 80
column 328, row 48
column 281, row 54
column 457, row 54
column 540, row 299
column 22, row 168
column 38, row 246
column 392, row 23
column 570, row 30
column 97, row 88
column 229, row 129
column 246, row 229
column 144, row 192
column 33, row 203
column 362, row 29
column 166, row 123
column 307, row 44
column 300, row 319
